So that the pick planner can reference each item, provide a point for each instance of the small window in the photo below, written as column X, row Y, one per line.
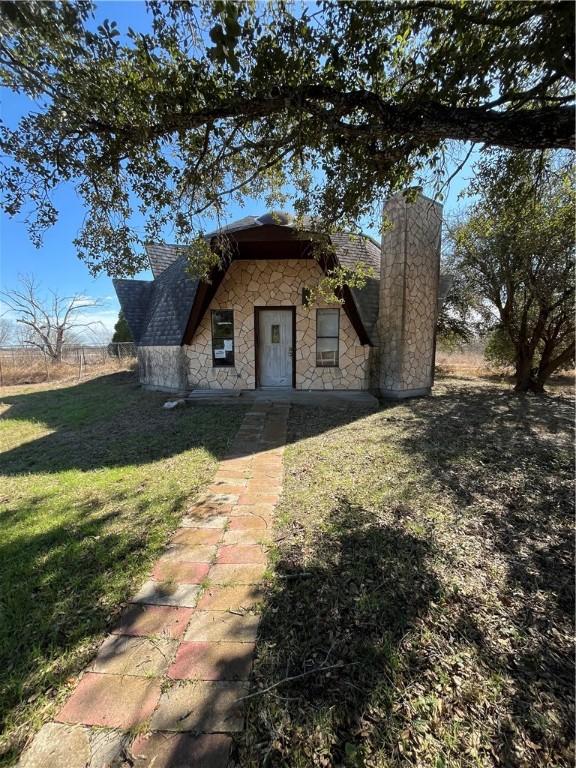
column 222, row 337
column 275, row 334
column 327, row 330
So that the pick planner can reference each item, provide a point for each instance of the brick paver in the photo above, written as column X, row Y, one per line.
column 220, row 625
column 201, row 707
column 248, row 521
column 206, row 660
column 176, row 750
column 154, row 621
column 198, row 536
column 56, row 745
column 202, row 553
column 167, row 593
column 211, row 519
column 143, row 656
column 260, row 508
column 258, row 498
column 116, row 701
column 233, row 573
column 180, row 571
column 177, row 664
column 239, row 598
column 241, row 553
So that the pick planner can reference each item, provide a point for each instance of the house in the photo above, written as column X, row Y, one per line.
column 250, row 326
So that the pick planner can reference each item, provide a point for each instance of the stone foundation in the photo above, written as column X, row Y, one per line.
column 162, row 368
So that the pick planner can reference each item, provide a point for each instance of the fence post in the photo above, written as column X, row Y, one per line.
column 80, row 355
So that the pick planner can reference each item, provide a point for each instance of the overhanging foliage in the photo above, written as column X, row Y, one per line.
column 347, row 102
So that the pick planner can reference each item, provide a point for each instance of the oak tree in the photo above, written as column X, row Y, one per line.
column 514, row 251
column 342, row 103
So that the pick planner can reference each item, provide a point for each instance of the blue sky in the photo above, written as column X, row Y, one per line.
column 56, row 264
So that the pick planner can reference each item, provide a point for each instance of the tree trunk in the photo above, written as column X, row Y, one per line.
column 58, row 346
column 525, row 379
column 548, row 366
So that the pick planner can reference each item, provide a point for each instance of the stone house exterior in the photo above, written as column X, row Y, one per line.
column 251, row 326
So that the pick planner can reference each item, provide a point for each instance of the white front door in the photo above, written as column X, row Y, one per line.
column 275, row 348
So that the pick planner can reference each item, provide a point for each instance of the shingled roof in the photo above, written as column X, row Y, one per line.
column 351, row 249
column 161, row 256
column 134, row 296
column 157, row 311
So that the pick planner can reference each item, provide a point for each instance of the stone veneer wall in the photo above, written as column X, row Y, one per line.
column 408, row 296
column 162, row 367
column 273, row 283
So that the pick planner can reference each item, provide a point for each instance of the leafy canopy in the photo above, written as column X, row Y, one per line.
column 122, row 331
column 515, row 252
column 343, row 103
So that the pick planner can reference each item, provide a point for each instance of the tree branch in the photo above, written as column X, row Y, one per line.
column 548, row 127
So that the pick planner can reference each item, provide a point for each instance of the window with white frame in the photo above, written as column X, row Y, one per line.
column 327, row 332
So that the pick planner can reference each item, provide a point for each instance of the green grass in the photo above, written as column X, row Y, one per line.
column 92, row 480
column 424, row 569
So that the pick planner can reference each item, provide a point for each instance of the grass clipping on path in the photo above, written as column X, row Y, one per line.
column 92, row 480
column 426, row 551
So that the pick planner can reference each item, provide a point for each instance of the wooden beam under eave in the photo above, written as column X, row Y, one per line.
column 207, row 290
column 204, row 295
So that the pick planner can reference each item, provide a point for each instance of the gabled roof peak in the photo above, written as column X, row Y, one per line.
column 269, row 219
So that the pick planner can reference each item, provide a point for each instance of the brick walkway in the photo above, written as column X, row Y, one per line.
column 165, row 686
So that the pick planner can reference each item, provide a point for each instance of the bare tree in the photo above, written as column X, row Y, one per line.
column 6, row 331
column 49, row 322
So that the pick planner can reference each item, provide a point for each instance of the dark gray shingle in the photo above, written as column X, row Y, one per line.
column 157, row 311
column 134, row 296
column 351, row 249
column 169, row 306
column 161, row 256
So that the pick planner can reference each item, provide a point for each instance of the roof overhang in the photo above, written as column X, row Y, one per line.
column 267, row 242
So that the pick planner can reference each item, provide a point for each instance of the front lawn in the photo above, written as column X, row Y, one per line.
column 424, row 591
column 92, row 480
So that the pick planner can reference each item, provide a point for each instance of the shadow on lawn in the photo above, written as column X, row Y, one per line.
column 71, row 547
column 53, row 586
column 371, row 598
column 507, row 460
column 346, row 614
column 61, row 586
column 111, row 421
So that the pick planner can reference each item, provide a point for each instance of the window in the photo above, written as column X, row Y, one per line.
column 222, row 337
column 327, row 328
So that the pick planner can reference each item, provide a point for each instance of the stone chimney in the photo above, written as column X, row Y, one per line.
column 409, row 296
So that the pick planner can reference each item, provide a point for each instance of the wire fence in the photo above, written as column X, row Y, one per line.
column 28, row 365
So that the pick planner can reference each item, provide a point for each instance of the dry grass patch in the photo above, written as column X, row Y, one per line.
column 424, row 587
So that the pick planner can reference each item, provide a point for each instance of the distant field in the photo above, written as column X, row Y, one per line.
column 28, row 365
column 469, row 361
column 473, row 363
